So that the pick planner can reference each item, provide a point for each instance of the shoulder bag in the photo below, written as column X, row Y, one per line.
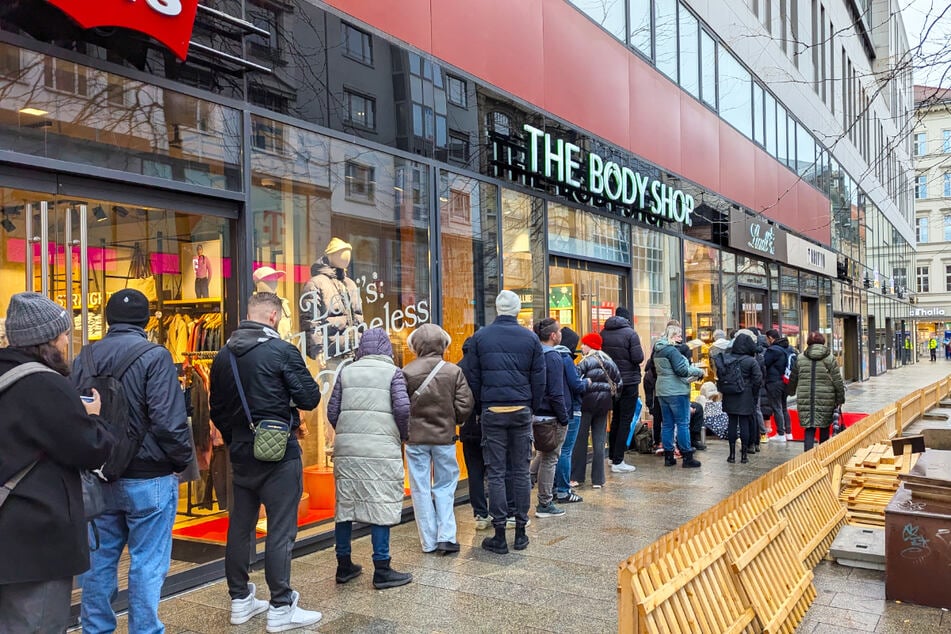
column 429, row 377
column 270, row 436
column 611, row 384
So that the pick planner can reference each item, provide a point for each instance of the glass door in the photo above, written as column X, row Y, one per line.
column 583, row 297
column 754, row 310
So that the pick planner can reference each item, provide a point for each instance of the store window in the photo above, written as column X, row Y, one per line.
column 357, row 44
column 575, row 232
column 67, row 111
column 608, row 13
column 921, row 229
column 641, row 26
column 582, row 296
column 468, row 213
column 702, row 297
column 790, row 318
column 921, row 277
column 656, row 281
column 523, row 262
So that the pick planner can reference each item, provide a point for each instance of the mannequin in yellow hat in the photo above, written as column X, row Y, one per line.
column 266, row 280
column 330, row 305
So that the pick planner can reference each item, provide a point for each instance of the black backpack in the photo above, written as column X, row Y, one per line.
column 729, row 375
column 115, row 410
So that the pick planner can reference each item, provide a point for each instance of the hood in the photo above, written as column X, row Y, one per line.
column 782, row 342
column 722, row 344
column 375, row 341
column 249, row 335
column 744, row 344
column 322, row 267
column 616, row 323
column 428, row 340
column 565, row 351
column 662, row 343
column 817, row 352
column 570, row 339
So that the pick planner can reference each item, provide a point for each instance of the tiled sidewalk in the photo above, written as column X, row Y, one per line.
column 566, row 580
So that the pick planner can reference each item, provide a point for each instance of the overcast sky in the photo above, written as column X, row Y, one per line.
column 933, row 56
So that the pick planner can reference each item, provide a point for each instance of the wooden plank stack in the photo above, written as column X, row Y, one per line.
column 869, row 481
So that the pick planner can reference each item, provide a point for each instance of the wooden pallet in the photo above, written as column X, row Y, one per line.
column 870, row 479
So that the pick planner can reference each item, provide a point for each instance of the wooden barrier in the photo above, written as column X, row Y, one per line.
column 708, row 574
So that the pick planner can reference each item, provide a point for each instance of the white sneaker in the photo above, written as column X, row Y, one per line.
column 623, row 468
column 290, row 617
column 482, row 523
column 242, row 610
column 789, row 437
column 779, row 438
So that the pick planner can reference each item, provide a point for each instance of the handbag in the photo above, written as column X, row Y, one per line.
column 611, row 384
column 545, row 433
column 270, row 436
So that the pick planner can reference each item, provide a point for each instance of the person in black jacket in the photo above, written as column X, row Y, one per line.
column 777, row 358
column 276, row 384
column 42, row 528
column 623, row 345
column 653, row 404
column 507, row 378
column 141, row 505
column 600, row 373
column 556, row 405
column 741, row 407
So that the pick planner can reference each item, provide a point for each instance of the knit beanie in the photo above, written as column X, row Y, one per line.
column 620, row 311
column 569, row 339
column 592, row 340
column 33, row 319
column 128, row 306
column 508, row 303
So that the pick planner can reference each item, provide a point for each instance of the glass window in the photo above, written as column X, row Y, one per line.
column 781, row 141
column 582, row 299
column 361, row 182
column 641, row 26
column 458, row 147
column 758, row 127
column 805, row 154
column 946, row 141
column 770, row 106
column 947, row 184
column 456, row 91
column 657, row 293
column 735, row 93
column 689, row 53
column 921, row 274
column 921, row 144
column 357, row 44
column 921, row 230
column 607, row 13
column 791, row 134
column 468, row 211
column 523, row 269
column 702, row 295
column 574, row 232
column 947, row 228
column 921, row 189
column 665, row 36
column 361, row 110
column 708, row 69
column 947, row 277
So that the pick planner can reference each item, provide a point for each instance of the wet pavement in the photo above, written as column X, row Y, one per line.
column 565, row 581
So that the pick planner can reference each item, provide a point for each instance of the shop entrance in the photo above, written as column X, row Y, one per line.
column 845, row 345
column 583, row 295
column 754, row 309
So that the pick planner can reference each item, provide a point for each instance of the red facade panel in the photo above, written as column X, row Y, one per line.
column 655, row 117
column 736, row 166
column 699, row 143
column 766, row 185
column 408, row 20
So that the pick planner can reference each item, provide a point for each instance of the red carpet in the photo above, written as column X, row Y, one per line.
column 216, row 530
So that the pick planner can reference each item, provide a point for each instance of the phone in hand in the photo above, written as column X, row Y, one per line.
column 88, row 399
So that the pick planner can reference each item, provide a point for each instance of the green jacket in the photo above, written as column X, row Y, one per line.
column 818, row 384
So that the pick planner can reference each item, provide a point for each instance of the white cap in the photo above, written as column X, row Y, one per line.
column 266, row 273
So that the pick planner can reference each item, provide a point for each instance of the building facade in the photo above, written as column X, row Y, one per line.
column 730, row 163
column 931, row 144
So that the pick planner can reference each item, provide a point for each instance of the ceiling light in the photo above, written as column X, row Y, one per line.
column 100, row 214
column 8, row 225
column 120, row 210
column 35, row 112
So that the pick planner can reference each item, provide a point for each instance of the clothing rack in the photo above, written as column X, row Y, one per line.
column 203, row 354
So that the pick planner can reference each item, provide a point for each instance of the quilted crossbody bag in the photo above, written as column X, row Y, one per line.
column 270, row 436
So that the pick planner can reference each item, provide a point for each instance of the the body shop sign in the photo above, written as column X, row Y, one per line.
column 757, row 235
column 167, row 21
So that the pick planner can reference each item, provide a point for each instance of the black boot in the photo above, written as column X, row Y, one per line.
column 496, row 544
column 669, row 460
column 732, row 457
column 521, row 539
column 743, row 458
column 697, row 445
column 386, row 577
column 689, row 462
column 346, row 569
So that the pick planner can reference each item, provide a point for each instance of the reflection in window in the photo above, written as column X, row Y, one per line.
column 702, row 296
column 499, row 122
column 806, row 154
column 456, row 91
column 689, row 53
column 708, row 69
column 574, row 232
column 458, row 147
column 758, row 127
column 607, row 13
column 522, row 272
column 357, row 44
column 641, row 26
column 65, row 76
column 665, row 33
column 361, row 185
column 655, row 272
column 267, row 135
column 734, row 91
column 361, row 110
column 781, row 138
column 770, row 106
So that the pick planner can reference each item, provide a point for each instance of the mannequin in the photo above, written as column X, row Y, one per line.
column 202, row 266
column 330, row 305
column 266, row 280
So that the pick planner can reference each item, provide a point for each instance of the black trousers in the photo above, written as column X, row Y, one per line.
column 621, row 423
column 279, row 489
column 810, row 437
column 507, row 450
column 475, row 466
column 40, row 606
column 745, row 425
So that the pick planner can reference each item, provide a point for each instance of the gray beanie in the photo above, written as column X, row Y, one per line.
column 33, row 319
column 508, row 303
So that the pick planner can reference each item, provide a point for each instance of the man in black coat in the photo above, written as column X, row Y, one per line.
column 623, row 345
column 741, row 407
column 507, row 377
column 276, row 383
column 141, row 505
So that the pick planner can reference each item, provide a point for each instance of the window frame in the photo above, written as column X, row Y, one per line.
column 452, row 80
column 369, row 107
column 365, row 56
column 368, row 196
column 922, row 278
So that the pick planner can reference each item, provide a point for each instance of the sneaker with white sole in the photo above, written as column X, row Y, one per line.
column 510, row 522
column 482, row 522
column 243, row 610
column 548, row 510
column 779, row 438
column 789, row 438
column 623, row 467
column 290, row 617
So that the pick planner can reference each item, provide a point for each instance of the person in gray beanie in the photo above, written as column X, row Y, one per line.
column 49, row 434
column 508, row 377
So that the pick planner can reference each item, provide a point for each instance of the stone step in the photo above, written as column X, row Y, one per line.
column 860, row 547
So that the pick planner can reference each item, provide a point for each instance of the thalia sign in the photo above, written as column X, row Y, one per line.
column 590, row 179
column 167, row 21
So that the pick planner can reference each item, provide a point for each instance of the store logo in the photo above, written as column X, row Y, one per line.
column 765, row 243
column 168, row 21
column 553, row 164
column 926, row 312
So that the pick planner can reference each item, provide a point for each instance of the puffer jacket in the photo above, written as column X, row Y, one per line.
column 507, row 367
column 623, row 345
column 776, row 356
column 42, row 525
column 156, row 401
column 276, row 383
column 446, row 401
column 557, row 399
column 598, row 367
column 575, row 384
column 672, row 367
column 471, row 432
column 330, row 297
column 818, row 384
column 743, row 352
column 369, row 409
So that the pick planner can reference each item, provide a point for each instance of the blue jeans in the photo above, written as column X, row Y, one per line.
column 676, row 413
column 563, row 468
column 433, row 476
column 379, row 536
column 139, row 513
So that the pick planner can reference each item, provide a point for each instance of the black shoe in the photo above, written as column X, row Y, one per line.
column 754, row 449
column 386, row 577
column 669, row 460
column 447, row 547
column 497, row 544
column 689, row 462
column 346, row 569
column 521, row 539
column 743, row 458
column 732, row 457
column 697, row 445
